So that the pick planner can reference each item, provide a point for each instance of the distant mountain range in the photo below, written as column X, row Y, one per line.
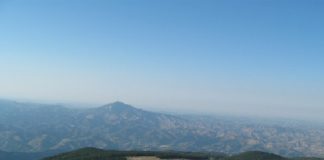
column 28, row 127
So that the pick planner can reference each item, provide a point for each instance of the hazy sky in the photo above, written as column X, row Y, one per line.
column 263, row 57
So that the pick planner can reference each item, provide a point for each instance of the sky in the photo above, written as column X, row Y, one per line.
column 251, row 57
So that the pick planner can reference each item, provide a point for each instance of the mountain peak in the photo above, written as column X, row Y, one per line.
column 118, row 103
column 118, row 106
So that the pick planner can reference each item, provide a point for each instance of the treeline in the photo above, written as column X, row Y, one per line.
column 98, row 154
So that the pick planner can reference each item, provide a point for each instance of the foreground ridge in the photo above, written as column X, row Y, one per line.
column 100, row 154
column 90, row 153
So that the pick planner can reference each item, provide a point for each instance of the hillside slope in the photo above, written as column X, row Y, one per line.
column 99, row 154
column 27, row 127
column 256, row 155
column 26, row 156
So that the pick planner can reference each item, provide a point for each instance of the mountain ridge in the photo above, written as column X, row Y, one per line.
column 121, row 126
column 90, row 153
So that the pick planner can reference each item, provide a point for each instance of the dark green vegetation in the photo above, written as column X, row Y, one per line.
column 256, row 155
column 25, row 156
column 98, row 154
column 27, row 127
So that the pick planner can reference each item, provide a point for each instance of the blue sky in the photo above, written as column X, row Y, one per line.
column 247, row 57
